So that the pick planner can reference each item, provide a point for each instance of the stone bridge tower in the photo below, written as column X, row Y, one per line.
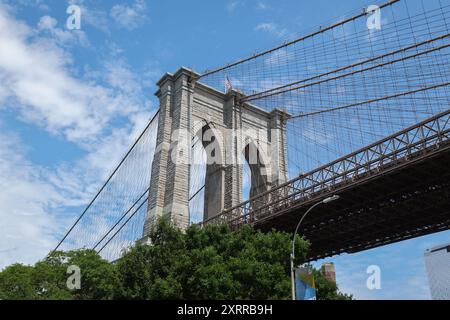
column 234, row 130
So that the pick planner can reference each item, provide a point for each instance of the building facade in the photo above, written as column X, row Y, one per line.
column 329, row 271
column 437, row 262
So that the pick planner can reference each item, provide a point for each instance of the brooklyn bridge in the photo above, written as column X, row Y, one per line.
column 349, row 109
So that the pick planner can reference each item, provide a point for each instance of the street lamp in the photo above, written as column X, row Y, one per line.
column 324, row 201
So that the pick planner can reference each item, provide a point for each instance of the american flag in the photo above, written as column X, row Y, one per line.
column 228, row 85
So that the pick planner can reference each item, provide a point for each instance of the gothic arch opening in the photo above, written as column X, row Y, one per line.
column 246, row 179
column 258, row 169
column 206, row 174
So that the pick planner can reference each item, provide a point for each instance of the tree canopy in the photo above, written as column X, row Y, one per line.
column 200, row 263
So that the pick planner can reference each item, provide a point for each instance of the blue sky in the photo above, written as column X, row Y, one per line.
column 71, row 103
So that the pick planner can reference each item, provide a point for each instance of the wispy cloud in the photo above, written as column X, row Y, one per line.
column 92, row 16
column 279, row 57
column 272, row 28
column 48, row 26
column 40, row 83
column 25, row 201
column 37, row 4
column 38, row 75
column 232, row 5
column 38, row 203
column 132, row 16
column 262, row 5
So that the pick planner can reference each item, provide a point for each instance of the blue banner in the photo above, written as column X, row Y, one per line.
column 305, row 288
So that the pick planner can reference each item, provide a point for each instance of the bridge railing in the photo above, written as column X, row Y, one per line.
column 383, row 155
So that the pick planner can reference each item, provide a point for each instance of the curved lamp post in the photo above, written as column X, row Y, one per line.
column 324, row 201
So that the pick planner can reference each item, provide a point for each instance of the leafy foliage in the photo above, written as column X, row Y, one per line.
column 200, row 263
column 47, row 279
column 327, row 290
column 16, row 282
column 209, row 263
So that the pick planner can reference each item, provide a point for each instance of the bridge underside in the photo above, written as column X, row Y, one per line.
column 393, row 206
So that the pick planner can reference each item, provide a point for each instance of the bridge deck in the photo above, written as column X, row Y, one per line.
column 392, row 190
column 392, row 206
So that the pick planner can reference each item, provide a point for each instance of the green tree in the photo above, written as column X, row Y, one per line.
column 47, row 279
column 16, row 283
column 98, row 276
column 328, row 290
column 200, row 263
column 208, row 263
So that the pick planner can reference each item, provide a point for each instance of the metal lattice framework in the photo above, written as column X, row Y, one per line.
column 419, row 141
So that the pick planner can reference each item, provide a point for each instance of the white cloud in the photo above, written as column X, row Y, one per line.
column 262, row 5
column 279, row 57
column 119, row 76
column 37, row 203
column 4, row 92
column 233, row 5
column 38, row 4
column 48, row 25
column 38, row 75
column 132, row 16
column 38, row 83
column 26, row 228
column 92, row 16
column 272, row 28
